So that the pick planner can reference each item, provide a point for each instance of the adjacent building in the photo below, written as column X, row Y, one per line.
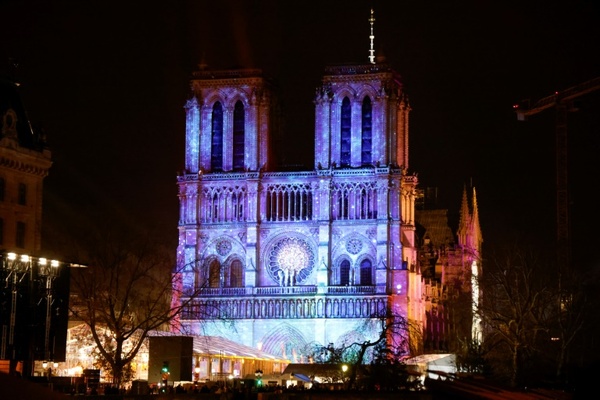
column 31, row 328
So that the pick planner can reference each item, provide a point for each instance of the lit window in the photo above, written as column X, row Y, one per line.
column 235, row 278
column 345, row 273
column 238, row 137
column 366, row 145
column 216, row 152
column 366, row 273
column 291, row 261
column 345, row 134
column 214, row 274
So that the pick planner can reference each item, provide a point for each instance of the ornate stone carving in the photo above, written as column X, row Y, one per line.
column 223, row 247
column 372, row 233
column 354, row 246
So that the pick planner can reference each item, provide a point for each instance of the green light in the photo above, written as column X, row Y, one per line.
column 165, row 367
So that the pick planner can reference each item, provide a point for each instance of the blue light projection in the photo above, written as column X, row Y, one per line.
column 309, row 242
column 296, row 260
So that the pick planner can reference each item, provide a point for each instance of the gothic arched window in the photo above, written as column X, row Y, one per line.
column 214, row 274
column 214, row 208
column 366, row 273
column 345, row 273
column 366, row 145
column 238, row 137
column 235, row 274
column 343, row 204
column 216, row 149
column 346, row 134
column 237, row 206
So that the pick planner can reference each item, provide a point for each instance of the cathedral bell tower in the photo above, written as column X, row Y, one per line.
column 361, row 118
column 227, row 122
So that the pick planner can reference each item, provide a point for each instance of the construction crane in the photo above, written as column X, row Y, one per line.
column 562, row 102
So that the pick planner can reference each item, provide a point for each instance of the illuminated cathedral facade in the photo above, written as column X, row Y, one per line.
column 289, row 260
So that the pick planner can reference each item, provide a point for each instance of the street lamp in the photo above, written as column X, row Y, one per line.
column 50, row 271
column 344, row 369
column 16, row 269
column 23, row 271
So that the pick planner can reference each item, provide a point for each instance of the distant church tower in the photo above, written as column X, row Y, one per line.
column 449, row 265
column 286, row 261
column 471, row 240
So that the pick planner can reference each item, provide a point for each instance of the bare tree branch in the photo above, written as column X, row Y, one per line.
column 126, row 289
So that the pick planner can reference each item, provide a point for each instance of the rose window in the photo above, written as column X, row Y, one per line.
column 223, row 247
column 354, row 246
column 291, row 261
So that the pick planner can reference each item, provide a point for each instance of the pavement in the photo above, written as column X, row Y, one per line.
column 17, row 388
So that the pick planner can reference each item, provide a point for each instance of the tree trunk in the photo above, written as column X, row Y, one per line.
column 514, row 379
column 117, row 370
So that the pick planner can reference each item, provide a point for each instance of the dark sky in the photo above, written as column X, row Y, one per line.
column 107, row 80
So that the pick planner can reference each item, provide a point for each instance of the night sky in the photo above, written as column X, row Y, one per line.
column 107, row 81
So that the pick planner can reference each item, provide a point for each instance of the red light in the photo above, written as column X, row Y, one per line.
column 515, row 106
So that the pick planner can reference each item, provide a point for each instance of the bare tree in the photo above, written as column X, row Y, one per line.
column 572, row 307
column 123, row 293
column 516, row 308
column 471, row 358
column 387, row 350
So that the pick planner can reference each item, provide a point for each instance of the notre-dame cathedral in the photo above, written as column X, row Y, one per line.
column 293, row 259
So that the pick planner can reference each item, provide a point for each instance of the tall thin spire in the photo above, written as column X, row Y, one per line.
column 372, row 38
column 477, row 236
column 465, row 218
